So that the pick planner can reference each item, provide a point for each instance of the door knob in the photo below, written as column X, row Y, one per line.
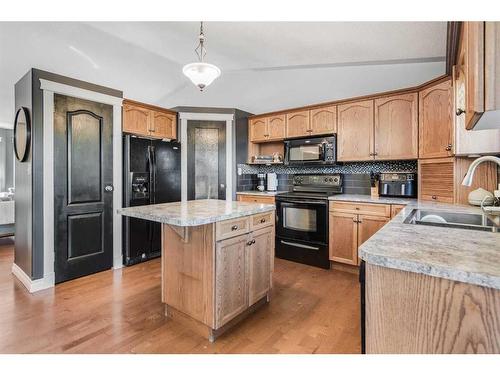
column 109, row 188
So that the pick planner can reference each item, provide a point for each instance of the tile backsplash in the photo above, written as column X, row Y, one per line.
column 356, row 175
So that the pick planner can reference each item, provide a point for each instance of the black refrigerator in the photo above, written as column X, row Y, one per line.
column 151, row 175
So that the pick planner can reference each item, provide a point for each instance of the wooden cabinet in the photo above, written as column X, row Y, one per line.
column 396, row 209
column 255, row 198
column 164, row 125
column 368, row 226
column 266, row 129
column 258, row 129
column 351, row 224
column 435, row 121
column 148, row 121
column 396, row 127
column 343, row 237
column 259, row 263
column 297, row 124
column 243, row 271
column 230, row 279
column 355, row 131
column 276, row 127
column 323, row 120
column 136, row 120
column 436, row 180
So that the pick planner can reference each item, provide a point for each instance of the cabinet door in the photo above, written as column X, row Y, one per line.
column 297, row 124
column 343, row 237
column 276, row 127
column 436, row 180
column 435, row 121
column 258, row 129
column 368, row 226
column 396, row 209
column 259, row 264
column 231, row 297
column 323, row 120
column 164, row 125
column 136, row 120
column 355, row 131
column 396, row 127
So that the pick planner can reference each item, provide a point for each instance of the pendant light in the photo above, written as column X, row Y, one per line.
column 201, row 73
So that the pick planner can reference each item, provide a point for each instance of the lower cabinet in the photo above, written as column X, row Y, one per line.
column 349, row 229
column 242, row 272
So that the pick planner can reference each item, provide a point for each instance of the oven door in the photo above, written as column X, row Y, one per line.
column 304, row 152
column 305, row 220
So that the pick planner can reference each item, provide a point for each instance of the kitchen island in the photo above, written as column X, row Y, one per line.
column 217, row 260
column 429, row 288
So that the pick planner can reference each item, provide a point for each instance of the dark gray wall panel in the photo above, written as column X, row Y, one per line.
column 23, row 182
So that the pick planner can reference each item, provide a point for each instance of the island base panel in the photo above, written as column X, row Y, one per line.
column 407, row 312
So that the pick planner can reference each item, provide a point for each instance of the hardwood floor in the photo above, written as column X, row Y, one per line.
column 312, row 311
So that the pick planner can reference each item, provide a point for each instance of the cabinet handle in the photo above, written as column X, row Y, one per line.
column 262, row 221
column 360, row 221
column 434, row 197
column 448, row 148
column 459, row 111
column 356, row 208
column 253, row 241
column 249, row 243
column 234, row 227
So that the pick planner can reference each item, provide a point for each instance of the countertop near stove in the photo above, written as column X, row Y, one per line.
column 463, row 255
column 196, row 212
column 258, row 192
column 368, row 199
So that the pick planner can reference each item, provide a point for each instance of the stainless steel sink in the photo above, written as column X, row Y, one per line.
column 453, row 220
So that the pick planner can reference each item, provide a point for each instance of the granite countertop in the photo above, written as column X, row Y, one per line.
column 196, row 212
column 257, row 192
column 464, row 255
column 368, row 199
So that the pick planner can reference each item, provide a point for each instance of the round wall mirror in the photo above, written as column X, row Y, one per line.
column 22, row 134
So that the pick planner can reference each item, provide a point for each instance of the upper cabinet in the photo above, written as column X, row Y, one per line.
column 396, row 127
column 435, row 121
column 266, row 129
column 323, row 120
column 297, row 124
column 148, row 121
column 478, row 65
column 355, row 131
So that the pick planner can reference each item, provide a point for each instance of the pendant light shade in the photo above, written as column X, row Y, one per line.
column 201, row 73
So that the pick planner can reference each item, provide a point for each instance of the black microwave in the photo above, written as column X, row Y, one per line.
column 311, row 150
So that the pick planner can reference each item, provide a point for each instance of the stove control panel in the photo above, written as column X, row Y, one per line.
column 318, row 180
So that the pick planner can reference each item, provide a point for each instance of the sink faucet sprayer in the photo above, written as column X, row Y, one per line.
column 467, row 181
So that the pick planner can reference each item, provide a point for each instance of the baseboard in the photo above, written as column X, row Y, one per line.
column 48, row 281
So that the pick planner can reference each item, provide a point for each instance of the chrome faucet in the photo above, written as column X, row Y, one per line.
column 467, row 181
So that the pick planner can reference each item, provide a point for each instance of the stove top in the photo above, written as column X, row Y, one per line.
column 314, row 186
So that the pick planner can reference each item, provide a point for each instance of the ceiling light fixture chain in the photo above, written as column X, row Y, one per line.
column 201, row 73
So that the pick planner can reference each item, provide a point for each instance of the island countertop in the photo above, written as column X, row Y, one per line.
column 195, row 212
column 463, row 255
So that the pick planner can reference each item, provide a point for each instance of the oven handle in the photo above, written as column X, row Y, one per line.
column 317, row 203
column 299, row 245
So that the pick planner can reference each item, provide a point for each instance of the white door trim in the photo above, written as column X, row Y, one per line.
column 228, row 118
column 49, row 89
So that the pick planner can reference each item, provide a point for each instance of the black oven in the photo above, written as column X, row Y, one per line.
column 302, row 219
column 311, row 151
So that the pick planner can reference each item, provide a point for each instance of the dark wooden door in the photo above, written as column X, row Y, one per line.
column 206, row 160
column 83, row 176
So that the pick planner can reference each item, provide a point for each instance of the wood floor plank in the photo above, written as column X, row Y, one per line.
column 312, row 311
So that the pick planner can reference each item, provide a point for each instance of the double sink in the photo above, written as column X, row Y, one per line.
column 454, row 220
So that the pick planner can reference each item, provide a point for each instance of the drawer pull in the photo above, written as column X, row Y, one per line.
column 249, row 243
column 262, row 221
column 357, row 208
column 234, row 227
column 434, row 197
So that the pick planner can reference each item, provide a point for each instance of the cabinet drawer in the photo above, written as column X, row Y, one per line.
column 262, row 220
column 232, row 228
column 396, row 208
column 255, row 199
column 374, row 209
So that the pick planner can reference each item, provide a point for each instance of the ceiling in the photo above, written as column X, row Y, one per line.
column 265, row 65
